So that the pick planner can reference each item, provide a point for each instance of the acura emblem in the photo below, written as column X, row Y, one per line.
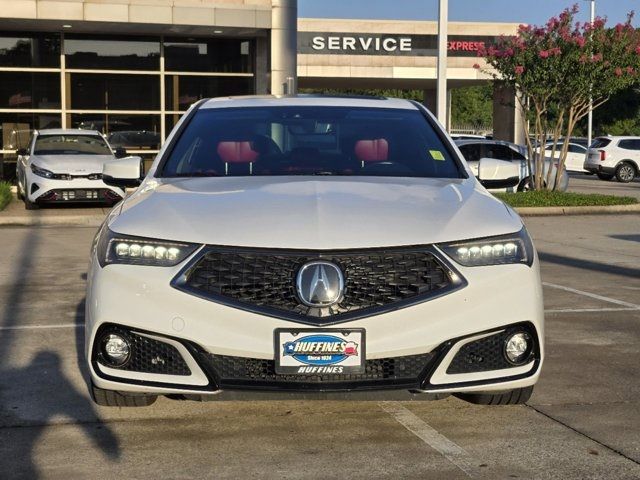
column 320, row 284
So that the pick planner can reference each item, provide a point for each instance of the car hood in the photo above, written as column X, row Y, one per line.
column 313, row 212
column 71, row 164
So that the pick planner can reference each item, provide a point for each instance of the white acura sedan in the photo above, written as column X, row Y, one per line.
column 312, row 244
column 65, row 166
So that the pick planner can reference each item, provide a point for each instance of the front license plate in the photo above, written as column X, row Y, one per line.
column 310, row 351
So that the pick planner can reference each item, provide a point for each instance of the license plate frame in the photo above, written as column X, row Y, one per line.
column 305, row 364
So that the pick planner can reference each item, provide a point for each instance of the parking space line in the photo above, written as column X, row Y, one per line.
column 429, row 435
column 43, row 327
column 632, row 306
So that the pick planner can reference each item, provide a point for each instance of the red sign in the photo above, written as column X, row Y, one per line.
column 465, row 46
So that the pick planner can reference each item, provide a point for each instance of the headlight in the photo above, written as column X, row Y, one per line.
column 113, row 247
column 513, row 248
column 41, row 172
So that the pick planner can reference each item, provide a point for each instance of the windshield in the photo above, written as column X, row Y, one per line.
column 310, row 141
column 70, row 145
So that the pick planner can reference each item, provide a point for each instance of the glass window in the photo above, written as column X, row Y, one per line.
column 70, row 145
column 472, row 152
column 30, row 51
column 90, row 91
column 182, row 91
column 499, row 152
column 600, row 143
column 101, row 53
column 17, row 127
column 131, row 128
column 310, row 141
column 29, row 90
column 573, row 148
column 208, row 55
column 629, row 144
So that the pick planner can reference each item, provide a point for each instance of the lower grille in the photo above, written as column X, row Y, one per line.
column 482, row 355
column 264, row 281
column 150, row 356
column 239, row 372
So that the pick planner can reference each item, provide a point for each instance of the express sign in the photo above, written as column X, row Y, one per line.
column 380, row 44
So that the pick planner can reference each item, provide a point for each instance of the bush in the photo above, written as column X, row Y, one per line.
column 5, row 194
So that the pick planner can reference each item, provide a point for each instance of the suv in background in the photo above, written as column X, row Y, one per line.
column 610, row 157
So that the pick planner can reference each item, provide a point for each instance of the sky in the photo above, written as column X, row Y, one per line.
column 519, row 11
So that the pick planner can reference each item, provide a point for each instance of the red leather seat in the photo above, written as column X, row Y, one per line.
column 237, row 152
column 375, row 150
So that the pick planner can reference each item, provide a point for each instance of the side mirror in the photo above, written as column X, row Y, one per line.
column 123, row 172
column 22, row 152
column 120, row 152
column 493, row 173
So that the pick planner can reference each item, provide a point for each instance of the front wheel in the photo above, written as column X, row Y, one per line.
column 604, row 176
column 625, row 173
column 28, row 204
column 511, row 397
column 110, row 398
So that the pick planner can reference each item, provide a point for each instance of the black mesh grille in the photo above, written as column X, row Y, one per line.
column 482, row 355
column 150, row 356
column 240, row 371
column 266, row 280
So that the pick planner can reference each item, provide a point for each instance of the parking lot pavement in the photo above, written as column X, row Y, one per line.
column 583, row 420
column 582, row 183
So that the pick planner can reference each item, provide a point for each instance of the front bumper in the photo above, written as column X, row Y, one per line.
column 226, row 348
column 45, row 191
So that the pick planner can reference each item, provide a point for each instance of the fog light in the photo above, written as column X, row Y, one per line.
column 517, row 347
column 115, row 349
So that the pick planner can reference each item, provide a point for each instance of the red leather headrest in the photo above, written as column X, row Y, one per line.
column 376, row 150
column 237, row 152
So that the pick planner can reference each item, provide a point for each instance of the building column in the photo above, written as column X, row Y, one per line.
column 263, row 68
column 284, row 46
column 508, row 117
column 430, row 100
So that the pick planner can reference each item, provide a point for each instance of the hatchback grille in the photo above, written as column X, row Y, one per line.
column 265, row 281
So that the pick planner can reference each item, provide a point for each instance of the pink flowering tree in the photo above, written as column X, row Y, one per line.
column 557, row 69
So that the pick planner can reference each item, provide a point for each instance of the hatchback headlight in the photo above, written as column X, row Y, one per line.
column 113, row 247
column 41, row 172
column 504, row 249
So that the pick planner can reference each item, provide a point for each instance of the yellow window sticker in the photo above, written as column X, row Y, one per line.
column 437, row 155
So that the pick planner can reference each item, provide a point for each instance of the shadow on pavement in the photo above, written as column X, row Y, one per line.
column 40, row 388
column 631, row 237
column 589, row 265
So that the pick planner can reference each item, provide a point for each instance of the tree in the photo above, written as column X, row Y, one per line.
column 557, row 69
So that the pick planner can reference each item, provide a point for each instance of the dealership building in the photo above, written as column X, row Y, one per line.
column 131, row 68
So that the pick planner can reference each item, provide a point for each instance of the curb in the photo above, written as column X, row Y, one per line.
column 592, row 210
column 52, row 221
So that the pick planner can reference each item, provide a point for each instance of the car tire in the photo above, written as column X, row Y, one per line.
column 625, row 172
column 111, row 398
column 512, row 397
column 604, row 176
column 29, row 205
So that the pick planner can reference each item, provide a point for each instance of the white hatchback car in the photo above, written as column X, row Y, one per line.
column 307, row 244
column 65, row 166
column 618, row 157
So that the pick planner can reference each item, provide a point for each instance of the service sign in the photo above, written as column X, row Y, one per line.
column 389, row 44
column 319, row 352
